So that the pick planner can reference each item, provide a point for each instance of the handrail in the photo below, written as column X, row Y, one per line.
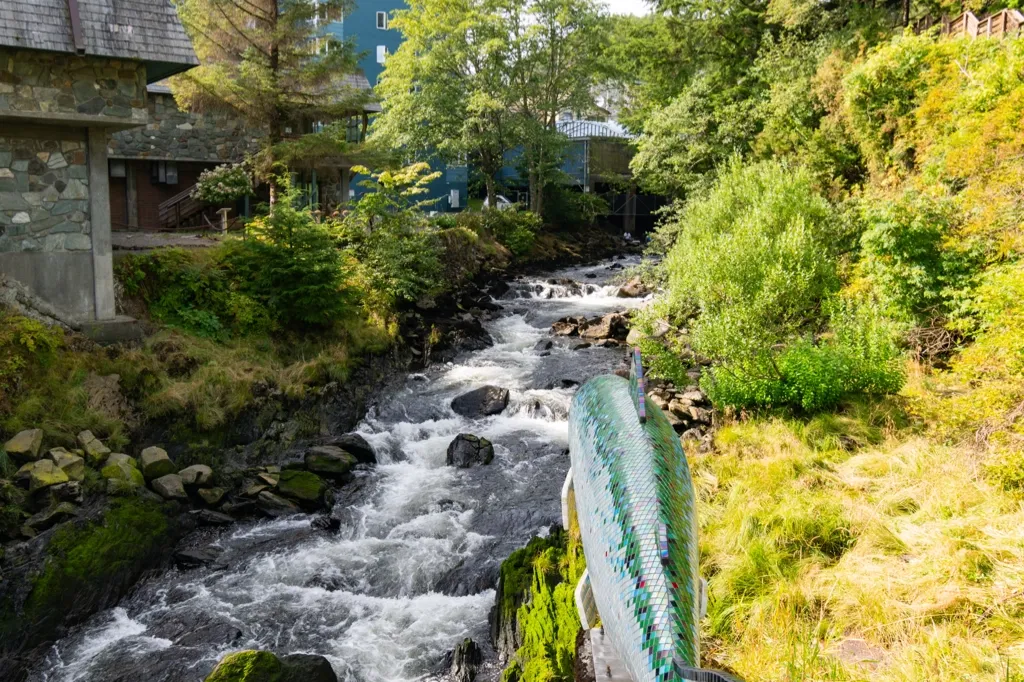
column 180, row 196
column 1002, row 23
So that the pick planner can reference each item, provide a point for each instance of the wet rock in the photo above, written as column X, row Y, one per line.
column 169, row 487
column 239, row 507
column 330, row 460
column 610, row 326
column 562, row 383
column 568, row 326
column 25, row 446
column 634, row 288
column 272, row 505
column 65, row 492
column 481, row 402
column 326, row 523
column 306, row 668
column 208, row 517
column 464, row 661
column 467, row 450
column 155, row 463
column 357, row 446
column 95, row 451
column 196, row 475
column 269, row 479
column 72, row 465
column 591, row 275
column 212, row 496
column 247, row 666
column 581, row 346
column 544, row 344
column 196, row 557
column 301, row 485
column 222, row 634
column 43, row 474
column 51, row 516
column 608, row 343
column 253, row 489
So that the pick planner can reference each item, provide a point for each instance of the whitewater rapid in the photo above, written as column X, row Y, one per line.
column 413, row 569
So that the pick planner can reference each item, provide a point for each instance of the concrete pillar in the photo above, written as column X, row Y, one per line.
column 131, row 193
column 99, row 220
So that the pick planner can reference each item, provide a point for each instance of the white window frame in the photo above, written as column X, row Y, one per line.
column 382, row 21
column 382, row 53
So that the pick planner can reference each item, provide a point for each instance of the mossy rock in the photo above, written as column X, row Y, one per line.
column 122, row 471
column 25, row 446
column 94, row 451
column 155, row 463
column 247, row 666
column 45, row 473
column 301, row 485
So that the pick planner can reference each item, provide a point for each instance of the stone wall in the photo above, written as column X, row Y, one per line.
column 44, row 190
column 54, row 86
column 172, row 134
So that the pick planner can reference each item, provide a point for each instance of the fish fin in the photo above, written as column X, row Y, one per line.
column 585, row 604
column 637, row 386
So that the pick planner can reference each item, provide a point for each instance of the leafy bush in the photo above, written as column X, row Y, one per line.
column 24, row 344
column 755, row 255
column 514, row 229
column 569, row 208
column 909, row 254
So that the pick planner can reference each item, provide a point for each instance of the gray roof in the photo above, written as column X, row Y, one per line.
column 580, row 129
column 147, row 30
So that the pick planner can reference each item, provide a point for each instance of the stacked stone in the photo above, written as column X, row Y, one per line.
column 44, row 195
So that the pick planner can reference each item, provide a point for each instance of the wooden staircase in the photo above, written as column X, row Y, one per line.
column 1008, row 22
column 179, row 209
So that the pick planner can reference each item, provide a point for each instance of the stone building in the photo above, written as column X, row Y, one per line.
column 72, row 73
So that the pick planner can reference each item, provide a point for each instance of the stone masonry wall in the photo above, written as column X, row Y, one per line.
column 44, row 190
column 34, row 82
column 172, row 134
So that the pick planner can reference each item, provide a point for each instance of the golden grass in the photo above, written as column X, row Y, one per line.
column 861, row 546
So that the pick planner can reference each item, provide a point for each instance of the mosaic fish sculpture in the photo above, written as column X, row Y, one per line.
column 635, row 506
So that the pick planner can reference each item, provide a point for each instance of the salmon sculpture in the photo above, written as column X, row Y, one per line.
column 633, row 495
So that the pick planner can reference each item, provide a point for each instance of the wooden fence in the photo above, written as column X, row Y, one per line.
column 1009, row 22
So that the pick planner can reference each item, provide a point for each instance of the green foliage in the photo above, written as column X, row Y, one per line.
column 223, row 184
column 290, row 265
column 909, row 253
column 513, row 228
column 567, row 208
column 25, row 344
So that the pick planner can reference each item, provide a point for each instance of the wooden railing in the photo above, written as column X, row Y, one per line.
column 179, row 208
column 1008, row 22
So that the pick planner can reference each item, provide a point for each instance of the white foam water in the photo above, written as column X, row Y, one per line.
column 412, row 571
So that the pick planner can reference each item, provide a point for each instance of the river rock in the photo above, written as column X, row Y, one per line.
column 272, row 505
column 467, row 450
column 72, row 465
column 580, row 346
column 268, row 478
column 568, row 326
column 481, row 402
column 301, row 485
column 169, row 487
column 330, row 460
column 208, row 517
column 357, row 446
column 25, row 445
column 117, row 457
column 327, row 523
column 43, row 474
column 212, row 496
column 95, row 451
column 465, row 659
column 195, row 557
column 123, row 471
column 634, row 288
column 306, row 668
column 611, row 326
column 65, row 492
column 155, row 463
column 51, row 516
column 247, row 666
column 544, row 344
column 196, row 475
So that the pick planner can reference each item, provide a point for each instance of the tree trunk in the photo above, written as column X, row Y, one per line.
column 492, row 190
column 906, row 12
column 275, row 121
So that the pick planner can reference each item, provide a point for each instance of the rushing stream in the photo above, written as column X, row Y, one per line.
column 411, row 572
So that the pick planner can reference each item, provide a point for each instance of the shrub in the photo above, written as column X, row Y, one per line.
column 223, row 184
column 291, row 265
column 569, row 208
column 514, row 229
column 909, row 253
column 24, row 344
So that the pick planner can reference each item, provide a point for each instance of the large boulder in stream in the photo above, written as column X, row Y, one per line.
column 330, row 460
column 463, row 661
column 355, row 445
column 467, row 450
column 301, row 486
column 481, row 402
column 610, row 326
column 265, row 666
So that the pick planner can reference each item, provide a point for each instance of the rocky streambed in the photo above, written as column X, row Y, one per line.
column 405, row 565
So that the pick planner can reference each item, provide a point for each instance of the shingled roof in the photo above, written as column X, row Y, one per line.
column 147, row 30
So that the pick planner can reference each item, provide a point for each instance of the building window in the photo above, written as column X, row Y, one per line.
column 382, row 53
column 382, row 21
